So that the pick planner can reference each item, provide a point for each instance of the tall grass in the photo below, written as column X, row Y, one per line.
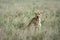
column 15, row 15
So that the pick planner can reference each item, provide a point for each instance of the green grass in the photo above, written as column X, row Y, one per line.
column 15, row 15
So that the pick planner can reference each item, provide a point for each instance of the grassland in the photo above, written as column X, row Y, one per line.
column 16, row 14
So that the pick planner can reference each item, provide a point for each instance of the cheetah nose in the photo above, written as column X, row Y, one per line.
column 37, row 16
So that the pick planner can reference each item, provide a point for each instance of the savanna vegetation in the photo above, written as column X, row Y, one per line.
column 16, row 14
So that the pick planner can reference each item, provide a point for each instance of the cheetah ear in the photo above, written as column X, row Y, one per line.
column 35, row 13
column 38, row 12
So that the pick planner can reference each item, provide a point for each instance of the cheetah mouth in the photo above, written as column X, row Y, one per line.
column 37, row 17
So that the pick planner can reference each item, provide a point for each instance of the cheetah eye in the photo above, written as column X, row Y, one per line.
column 39, row 14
